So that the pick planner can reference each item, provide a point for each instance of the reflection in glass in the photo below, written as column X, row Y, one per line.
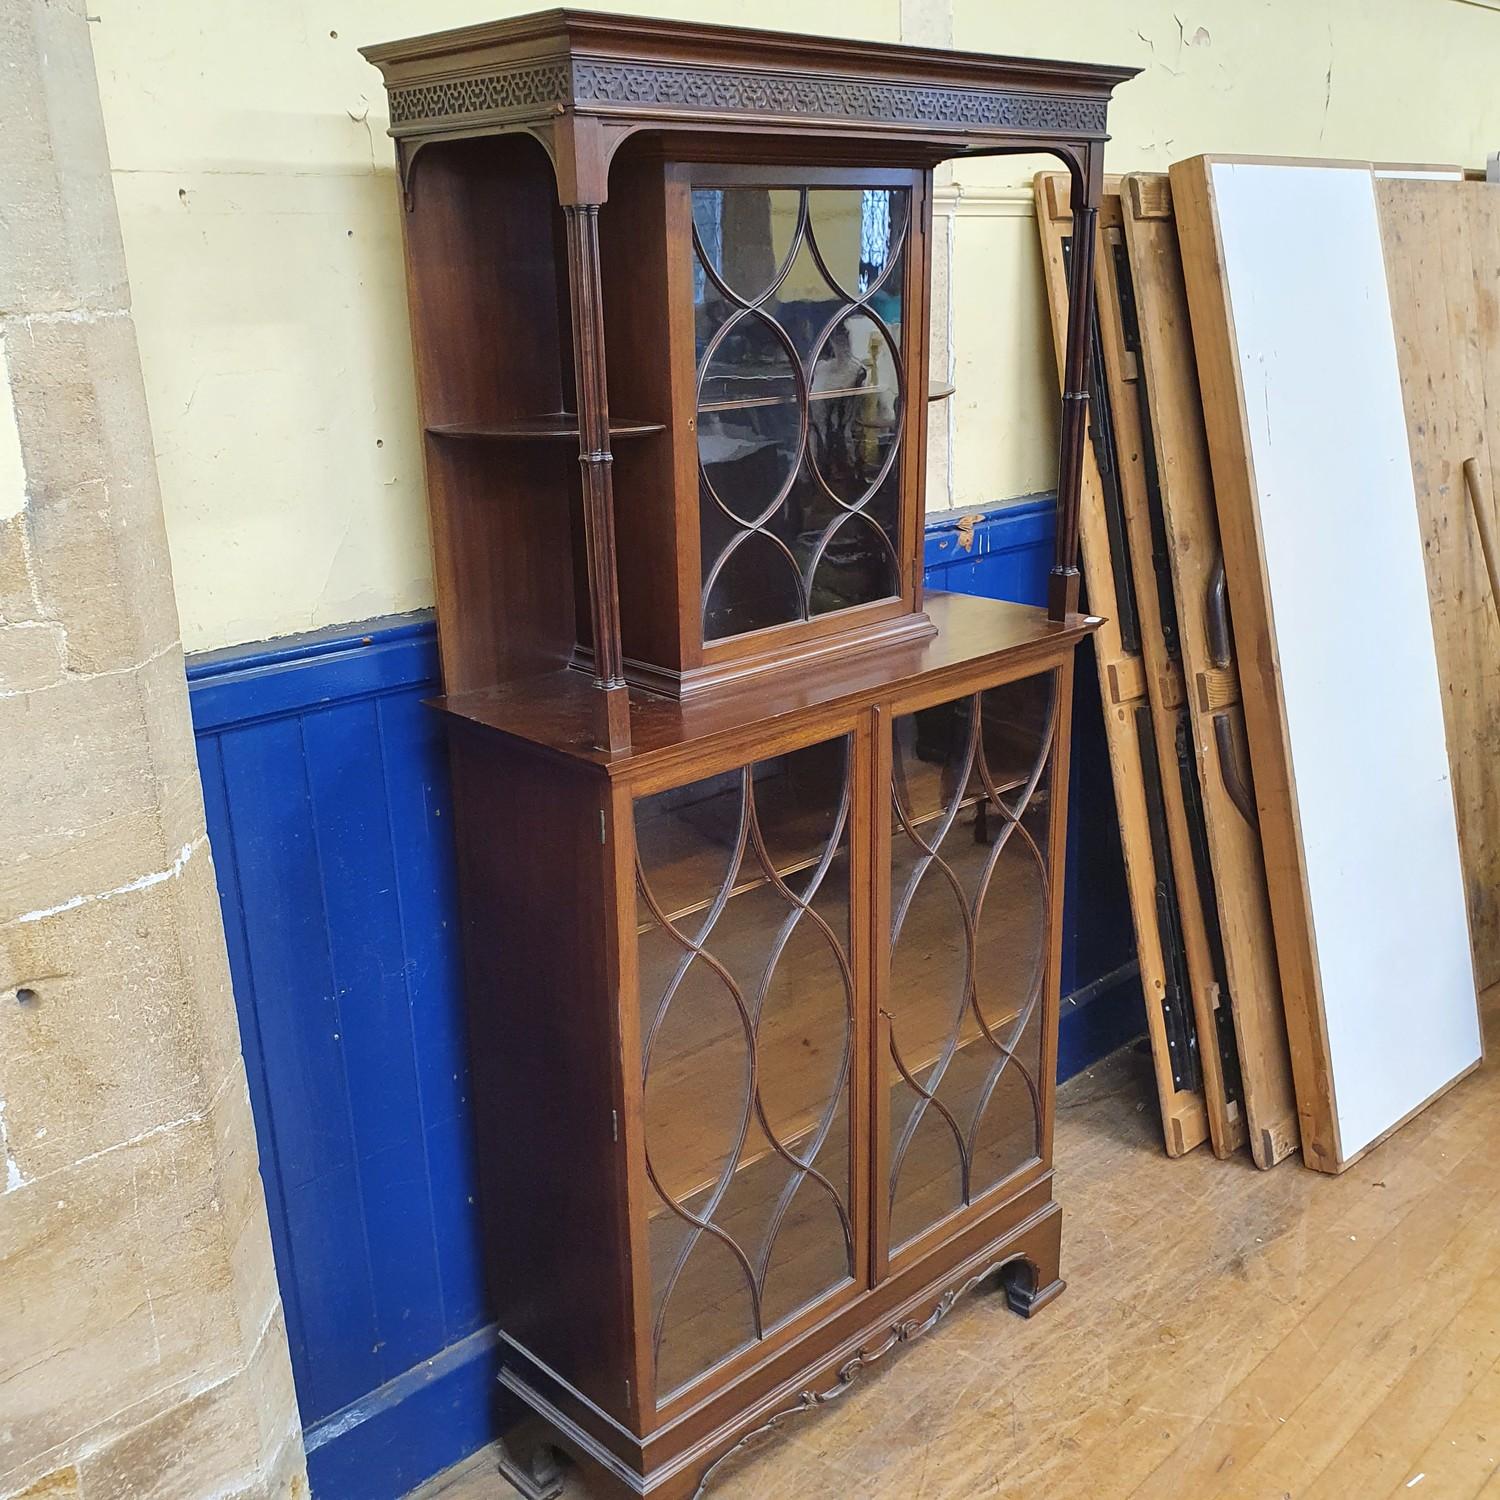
column 969, row 947
column 798, row 301
column 747, row 1037
column 854, row 408
column 756, row 584
column 858, row 232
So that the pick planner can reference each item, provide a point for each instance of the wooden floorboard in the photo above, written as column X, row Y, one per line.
column 1225, row 1333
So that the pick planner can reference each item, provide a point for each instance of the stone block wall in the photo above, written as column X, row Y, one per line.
column 142, row 1350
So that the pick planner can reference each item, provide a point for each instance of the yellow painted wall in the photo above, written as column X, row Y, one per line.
column 256, row 190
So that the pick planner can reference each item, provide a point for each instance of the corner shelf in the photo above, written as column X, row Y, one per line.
column 552, row 426
column 560, row 426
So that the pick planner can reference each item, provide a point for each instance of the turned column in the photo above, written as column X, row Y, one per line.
column 612, row 720
column 1062, row 593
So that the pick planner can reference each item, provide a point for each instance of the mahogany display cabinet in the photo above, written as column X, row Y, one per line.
column 760, row 850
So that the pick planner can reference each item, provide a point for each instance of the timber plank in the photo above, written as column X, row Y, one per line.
column 1238, row 863
column 1442, row 256
column 1123, row 687
column 1170, row 714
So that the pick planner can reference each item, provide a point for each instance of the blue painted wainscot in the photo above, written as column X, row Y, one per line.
column 328, row 813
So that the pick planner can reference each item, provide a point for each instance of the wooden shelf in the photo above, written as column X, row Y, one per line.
column 832, row 393
column 560, row 425
column 936, row 391
column 693, row 1172
column 686, row 854
column 547, row 427
column 799, row 1051
column 711, row 866
column 709, row 1312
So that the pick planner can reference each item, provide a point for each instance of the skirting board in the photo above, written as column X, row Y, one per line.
column 1307, row 437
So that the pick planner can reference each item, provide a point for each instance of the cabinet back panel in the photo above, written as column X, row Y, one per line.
column 486, row 310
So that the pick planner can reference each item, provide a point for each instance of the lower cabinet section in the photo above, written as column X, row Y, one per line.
column 812, row 966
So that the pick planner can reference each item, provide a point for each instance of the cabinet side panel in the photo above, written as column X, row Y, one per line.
column 644, row 235
column 539, row 939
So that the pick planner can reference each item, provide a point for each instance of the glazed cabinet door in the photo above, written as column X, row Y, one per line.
column 753, row 1006
column 968, row 967
column 808, row 314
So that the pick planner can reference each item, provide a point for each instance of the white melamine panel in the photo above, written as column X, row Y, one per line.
column 1342, row 557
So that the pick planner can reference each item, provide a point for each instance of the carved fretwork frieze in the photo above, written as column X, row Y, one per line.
column 758, row 93
column 543, row 88
column 524, row 90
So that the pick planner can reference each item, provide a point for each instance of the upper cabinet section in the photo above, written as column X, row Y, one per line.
column 670, row 301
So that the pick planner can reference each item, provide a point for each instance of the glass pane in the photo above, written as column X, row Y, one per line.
column 856, row 564
column 752, row 364
column 884, row 507
column 747, row 457
column 1013, row 722
column 859, row 233
column 1010, row 915
column 798, row 310
column 799, row 799
column 804, row 1020
column 745, row 236
column 930, row 1178
column 757, row 584
column 970, row 942
column 932, row 759
column 747, row 1010
column 808, row 1253
column 1008, row 1131
column 855, row 410
column 929, row 983
column 697, row 1069
column 805, row 303
column 707, row 1316
column 687, row 841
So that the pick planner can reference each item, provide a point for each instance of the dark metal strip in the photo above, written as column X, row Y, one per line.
column 1216, row 611
column 1208, row 900
column 1182, row 1033
column 1233, row 770
column 1102, row 437
column 1161, row 553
